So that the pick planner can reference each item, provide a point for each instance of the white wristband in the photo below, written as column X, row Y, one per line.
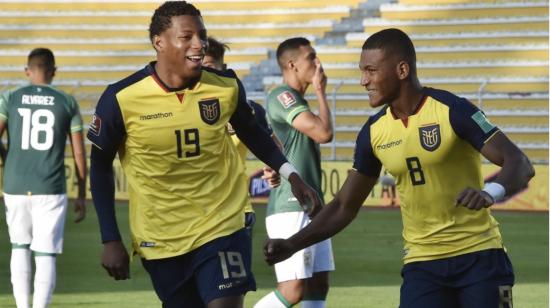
column 495, row 190
column 286, row 169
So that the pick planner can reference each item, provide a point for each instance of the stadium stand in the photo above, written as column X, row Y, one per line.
column 493, row 52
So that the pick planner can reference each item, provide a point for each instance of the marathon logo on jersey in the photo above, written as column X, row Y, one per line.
column 210, row 110
column 286, row 99
column 430, row 137
column 95, row 126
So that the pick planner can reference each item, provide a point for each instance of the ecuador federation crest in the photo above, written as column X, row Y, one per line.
column 210, row 110
column 430, row 137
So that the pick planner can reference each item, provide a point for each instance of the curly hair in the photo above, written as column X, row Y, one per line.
column 162, row 18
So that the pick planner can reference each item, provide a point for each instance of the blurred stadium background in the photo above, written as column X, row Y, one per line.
column 494, row 52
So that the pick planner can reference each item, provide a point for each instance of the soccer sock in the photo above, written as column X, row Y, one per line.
column 314, row 304
column 273, row 300
column 44, row 280
column 20, row 268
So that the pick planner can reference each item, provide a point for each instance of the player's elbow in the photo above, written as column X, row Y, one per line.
column 326, row 139
column 325, row 136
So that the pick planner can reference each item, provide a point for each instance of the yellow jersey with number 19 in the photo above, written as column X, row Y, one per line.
column 433, row 155
column 186, row 183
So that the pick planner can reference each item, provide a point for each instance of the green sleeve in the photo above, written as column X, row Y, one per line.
column 76, row 118
column 285, row 105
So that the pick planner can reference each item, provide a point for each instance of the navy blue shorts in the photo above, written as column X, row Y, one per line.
column 481, row 279
column 220, row 268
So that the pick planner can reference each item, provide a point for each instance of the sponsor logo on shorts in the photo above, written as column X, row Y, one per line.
column 307, row 258
column 147, row 244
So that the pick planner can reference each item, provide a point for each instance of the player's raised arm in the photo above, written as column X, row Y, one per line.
column 333, row 218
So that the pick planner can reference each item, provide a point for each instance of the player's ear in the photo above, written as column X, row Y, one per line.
column 290, row 65
column 403, row 70
column 158, row 43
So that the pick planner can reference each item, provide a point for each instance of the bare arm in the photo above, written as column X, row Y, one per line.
column 516, row 168
column 79, row 154
column 3, row 152
column 514, row 175
column 331, row 219
column 318, row 128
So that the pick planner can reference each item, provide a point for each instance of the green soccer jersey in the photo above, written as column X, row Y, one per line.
column 283, row 105
column 39, row 118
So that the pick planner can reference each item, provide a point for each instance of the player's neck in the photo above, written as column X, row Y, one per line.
column 408, row 101
column 173, row 80
column 295, row 84
column 41, row 81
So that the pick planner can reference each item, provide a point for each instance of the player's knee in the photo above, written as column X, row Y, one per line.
column 293, row 291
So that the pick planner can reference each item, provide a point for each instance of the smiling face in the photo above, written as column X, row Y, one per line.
column 379, row 76
column 181, row 47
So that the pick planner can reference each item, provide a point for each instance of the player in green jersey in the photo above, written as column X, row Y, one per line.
column 38, row 118
column 430, row 140
column 304, row 277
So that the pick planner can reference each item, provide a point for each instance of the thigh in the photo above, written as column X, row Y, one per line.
column 285, row 225
column 300, row 264
column 223, row 268
column 486, row 294
column 173, row 282
column 490, row 281
column 421, row 289
column 323, row 258
column 18, row 219
column 48, row 222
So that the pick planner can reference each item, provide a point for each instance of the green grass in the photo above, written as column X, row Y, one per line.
column 367, row 254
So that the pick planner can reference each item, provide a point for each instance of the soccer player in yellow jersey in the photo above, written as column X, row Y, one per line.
column 430, row 141
column 167, row 122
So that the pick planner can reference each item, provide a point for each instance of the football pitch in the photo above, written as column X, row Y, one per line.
column 367, row 255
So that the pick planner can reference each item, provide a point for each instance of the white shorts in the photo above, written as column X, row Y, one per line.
column 301, row 265
column 37, row 220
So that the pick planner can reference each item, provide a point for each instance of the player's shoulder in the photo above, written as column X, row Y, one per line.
column 228, row 73
column 447, row 98
column 219, row 78
column 131, row 80
column 365, row 131
column 284, row 96
column 384, row 111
